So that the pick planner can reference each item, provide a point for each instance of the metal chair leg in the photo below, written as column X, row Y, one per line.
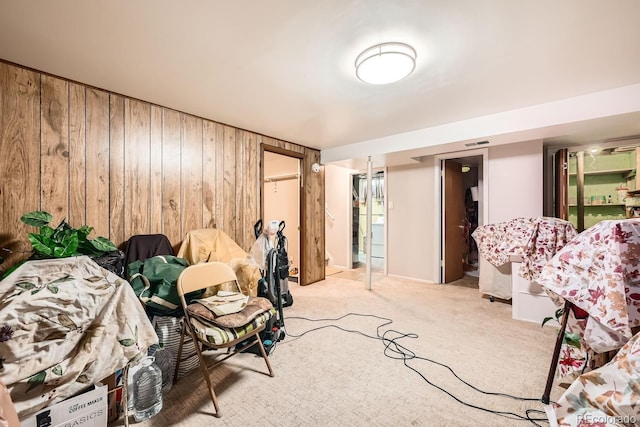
column 205, row 372
column 178, row 359
column 264, row 355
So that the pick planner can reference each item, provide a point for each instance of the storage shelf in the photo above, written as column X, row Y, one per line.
column 600, row 205
column 605, row 172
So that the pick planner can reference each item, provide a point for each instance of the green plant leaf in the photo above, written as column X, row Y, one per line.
column 69, row 246
column 57, row 370
column 84, row 231
column 35, row 291
column 36, row 380
column 37, row 218
column 52, row 288
column 86, row 248
column 61, row 231
column 41, row 244
column 103, row 244
column 127, row 342
column 46, row 231
column 559, row 312
column 545, row 320
column 572, row 340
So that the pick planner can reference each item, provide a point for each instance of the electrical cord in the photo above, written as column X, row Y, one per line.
column 394, row 350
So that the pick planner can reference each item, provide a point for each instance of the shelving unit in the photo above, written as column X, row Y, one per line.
column 632, row 204
column 626, row 172
column 603, row 205
column 602, row 179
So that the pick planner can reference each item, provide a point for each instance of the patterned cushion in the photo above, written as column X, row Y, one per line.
column 215, row 334
column 254, row 307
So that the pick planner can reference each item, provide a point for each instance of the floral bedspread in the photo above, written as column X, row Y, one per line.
column 536, row 240
column 66, row 324
column 599, row 272
column 607, row 396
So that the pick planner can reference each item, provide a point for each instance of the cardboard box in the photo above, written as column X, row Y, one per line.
column 88, row 409
column 114, row 396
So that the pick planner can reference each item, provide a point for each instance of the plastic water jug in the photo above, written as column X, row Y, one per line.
column 147, row 390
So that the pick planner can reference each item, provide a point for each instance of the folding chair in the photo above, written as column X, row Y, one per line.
column 205, row 275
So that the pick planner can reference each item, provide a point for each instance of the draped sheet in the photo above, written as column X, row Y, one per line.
column 607, row 396
column 210, row 244
column 536, row 240
column 599, row 272
column 66, row 324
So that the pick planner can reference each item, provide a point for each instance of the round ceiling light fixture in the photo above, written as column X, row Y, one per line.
column 386, row 63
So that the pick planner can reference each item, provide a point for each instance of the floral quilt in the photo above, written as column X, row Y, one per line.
column 536, row 240
column 599, row 272
column 607, row 396
column 66, row 324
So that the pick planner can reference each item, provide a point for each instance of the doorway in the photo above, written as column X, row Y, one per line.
column 462, row 206
column 281, row 186
column 359, row 221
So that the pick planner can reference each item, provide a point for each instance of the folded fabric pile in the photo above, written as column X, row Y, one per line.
column 224, row 302
column 220, row 329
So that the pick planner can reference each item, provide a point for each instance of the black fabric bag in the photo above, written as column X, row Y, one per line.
column 112, row 261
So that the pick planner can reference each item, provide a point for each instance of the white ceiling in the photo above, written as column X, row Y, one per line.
column 285, row 68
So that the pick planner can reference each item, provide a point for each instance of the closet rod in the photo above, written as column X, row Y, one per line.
column 282, row 177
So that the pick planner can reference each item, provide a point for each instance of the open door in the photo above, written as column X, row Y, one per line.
column 454, row 221
column 281, row 186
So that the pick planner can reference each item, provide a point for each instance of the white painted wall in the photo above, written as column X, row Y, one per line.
column 410, row 219
column 338, row 202
column 515, row 181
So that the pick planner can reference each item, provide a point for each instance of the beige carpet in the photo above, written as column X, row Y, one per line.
column 330, row 271
column 334, row 378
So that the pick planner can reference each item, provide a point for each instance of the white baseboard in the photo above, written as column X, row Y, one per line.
column 410, row 278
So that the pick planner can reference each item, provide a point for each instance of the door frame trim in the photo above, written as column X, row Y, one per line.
column 301, row 197
column 439, row 201
column 352, row 173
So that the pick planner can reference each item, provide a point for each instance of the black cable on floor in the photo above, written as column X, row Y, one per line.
column 396, row 351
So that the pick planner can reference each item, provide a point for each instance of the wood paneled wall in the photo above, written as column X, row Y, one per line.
column 125, row 167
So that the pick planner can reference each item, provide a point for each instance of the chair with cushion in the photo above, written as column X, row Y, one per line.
column 220, row 331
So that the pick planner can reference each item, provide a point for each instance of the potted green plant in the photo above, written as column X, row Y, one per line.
column 62, row 241
column 571, row 339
